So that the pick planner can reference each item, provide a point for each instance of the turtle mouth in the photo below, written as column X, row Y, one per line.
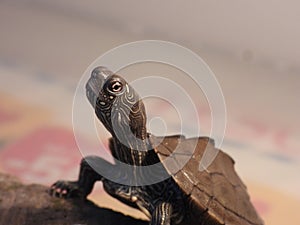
column 93, row 88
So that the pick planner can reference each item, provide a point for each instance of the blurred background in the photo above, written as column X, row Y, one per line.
column 252, row 48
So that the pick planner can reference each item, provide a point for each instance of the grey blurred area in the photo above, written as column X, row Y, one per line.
column 266, row 32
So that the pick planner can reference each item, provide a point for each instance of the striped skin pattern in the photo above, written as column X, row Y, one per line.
column 186, row 196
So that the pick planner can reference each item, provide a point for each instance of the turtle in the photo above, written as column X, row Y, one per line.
column 158, row 175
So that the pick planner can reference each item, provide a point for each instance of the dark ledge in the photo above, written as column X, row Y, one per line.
column 31, row 205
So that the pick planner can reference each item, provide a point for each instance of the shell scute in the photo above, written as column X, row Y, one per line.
column 217, row 189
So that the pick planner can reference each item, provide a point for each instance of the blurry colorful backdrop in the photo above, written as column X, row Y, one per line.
column 45, row 47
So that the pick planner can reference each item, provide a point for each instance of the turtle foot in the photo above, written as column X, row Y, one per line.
column 66, row 189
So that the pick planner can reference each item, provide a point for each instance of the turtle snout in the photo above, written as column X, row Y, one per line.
column 101, row 73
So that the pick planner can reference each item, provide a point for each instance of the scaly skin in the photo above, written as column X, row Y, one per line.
column 163, row 202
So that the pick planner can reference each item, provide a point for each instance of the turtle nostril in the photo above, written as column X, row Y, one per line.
column 94, row 74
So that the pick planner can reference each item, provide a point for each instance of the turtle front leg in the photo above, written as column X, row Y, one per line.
column 86, row 180
column 162, row 214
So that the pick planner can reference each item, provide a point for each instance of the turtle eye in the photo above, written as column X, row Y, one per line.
column 116, row 86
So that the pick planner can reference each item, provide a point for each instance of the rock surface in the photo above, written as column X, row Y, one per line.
column 31, row 204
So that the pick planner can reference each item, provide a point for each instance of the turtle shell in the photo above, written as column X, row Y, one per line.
column 218, row 191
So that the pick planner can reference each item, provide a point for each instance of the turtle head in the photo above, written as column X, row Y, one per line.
column 116, row 104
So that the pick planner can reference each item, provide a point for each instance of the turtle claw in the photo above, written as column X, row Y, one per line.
column 65, row 189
